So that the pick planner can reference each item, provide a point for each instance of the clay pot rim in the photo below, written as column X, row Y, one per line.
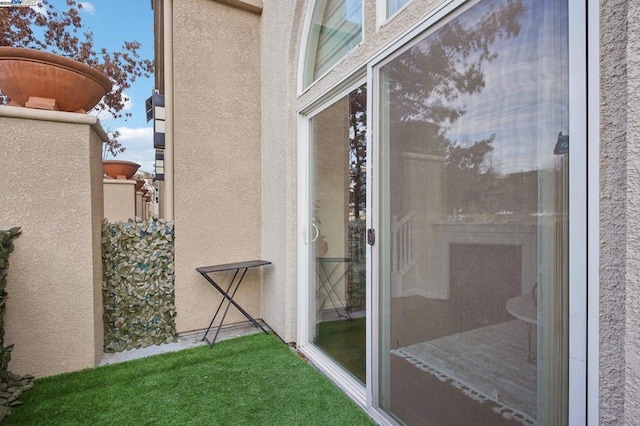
column 124, row 168
column 33, row 55
column 132, row 163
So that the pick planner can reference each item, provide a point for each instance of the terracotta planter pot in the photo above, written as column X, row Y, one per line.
column 139, row 184
column 120, row 169
column 42, row 80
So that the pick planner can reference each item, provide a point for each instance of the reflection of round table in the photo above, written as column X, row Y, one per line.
column 523, row 308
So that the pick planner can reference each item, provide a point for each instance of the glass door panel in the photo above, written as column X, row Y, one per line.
column 473, row 217
column 338, row 196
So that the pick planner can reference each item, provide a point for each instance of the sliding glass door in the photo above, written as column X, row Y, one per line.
column 338, row 213
column 434, row 211
column 473, row 146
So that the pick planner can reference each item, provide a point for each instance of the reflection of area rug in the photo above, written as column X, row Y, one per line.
column 487, row 364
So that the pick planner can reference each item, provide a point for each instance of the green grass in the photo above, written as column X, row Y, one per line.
column 253, row 380
column 346, row 342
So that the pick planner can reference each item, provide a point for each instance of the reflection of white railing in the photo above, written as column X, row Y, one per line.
column 402, row 243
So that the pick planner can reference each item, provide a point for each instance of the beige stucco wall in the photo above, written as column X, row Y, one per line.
column 217, row 154
column 632, row 341
column 620, row 213
column 51, row 174
column 140, row 204
column 120, row 200
column 281, row 26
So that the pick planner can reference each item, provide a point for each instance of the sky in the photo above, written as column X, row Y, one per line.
column 524, row 101
column 113, row 22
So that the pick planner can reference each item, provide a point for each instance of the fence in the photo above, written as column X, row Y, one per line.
column 138, row 284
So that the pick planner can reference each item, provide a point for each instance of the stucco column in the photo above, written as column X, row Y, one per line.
column 51, row 187
column 120, row 200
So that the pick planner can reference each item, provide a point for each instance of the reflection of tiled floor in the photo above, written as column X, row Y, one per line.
column 417, row 396
column 185, row 341
column 487, row 364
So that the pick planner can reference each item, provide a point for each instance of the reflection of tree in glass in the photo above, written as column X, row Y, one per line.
column 356, row 289
column 425, row 85
column 473, row 185
column 357, row 148
column 425, row 80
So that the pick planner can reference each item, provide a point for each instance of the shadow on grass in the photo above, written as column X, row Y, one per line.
column 253, row 380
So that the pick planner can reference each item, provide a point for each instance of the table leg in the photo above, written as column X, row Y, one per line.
column 330, row 287
column 206, row 333
column 230, row 301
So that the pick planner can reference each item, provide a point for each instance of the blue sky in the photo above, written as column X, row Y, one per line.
column 113, row 22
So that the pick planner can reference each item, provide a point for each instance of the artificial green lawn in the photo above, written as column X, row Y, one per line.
column 346, row 342
column 253, row 380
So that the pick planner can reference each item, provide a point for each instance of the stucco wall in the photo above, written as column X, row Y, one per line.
column 120, row 200
column 620, row 213
column 632, row 340
column 51, row 174
column 615, row 211
column 217, row 159
column 281, row 24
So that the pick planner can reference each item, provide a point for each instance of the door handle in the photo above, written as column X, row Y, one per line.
column 371, row 236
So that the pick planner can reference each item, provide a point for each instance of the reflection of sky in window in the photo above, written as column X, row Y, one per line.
column 354, row 11
column 394, row 5
column 524, row 101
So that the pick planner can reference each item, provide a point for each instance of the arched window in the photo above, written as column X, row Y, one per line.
column 336, row 28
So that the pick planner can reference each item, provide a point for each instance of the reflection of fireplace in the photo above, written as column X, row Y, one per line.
column 522, row 236
column 482, row 278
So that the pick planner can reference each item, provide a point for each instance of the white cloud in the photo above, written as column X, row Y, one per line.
column 88, row 7
column 128, row 103
column 139, row 146
column 136, row 135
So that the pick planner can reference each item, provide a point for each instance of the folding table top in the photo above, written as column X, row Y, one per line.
column 232, row 266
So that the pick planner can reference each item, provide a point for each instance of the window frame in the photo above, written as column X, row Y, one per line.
column 306, row 316
column 302, row 57
column 583, row 227
column 381, row 11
